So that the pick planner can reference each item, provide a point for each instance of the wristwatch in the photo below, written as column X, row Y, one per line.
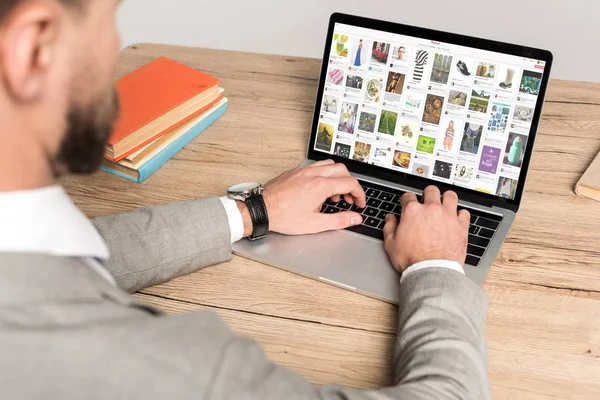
column 251, row 194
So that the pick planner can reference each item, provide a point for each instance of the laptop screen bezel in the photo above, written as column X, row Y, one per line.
column 407, row 179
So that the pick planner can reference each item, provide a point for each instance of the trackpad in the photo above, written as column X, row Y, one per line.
column 342, row 258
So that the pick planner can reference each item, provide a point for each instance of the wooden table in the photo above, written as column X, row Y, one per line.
column 543, row 328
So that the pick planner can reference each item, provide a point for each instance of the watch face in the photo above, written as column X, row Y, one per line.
column 244, row 190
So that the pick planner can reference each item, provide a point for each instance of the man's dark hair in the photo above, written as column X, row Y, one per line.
column 6, row 6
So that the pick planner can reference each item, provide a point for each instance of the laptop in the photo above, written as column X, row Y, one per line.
column 403, row 108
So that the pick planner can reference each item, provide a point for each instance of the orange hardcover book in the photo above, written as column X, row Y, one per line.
column 156, row 99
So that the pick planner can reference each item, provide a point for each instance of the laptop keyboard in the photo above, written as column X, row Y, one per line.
column 382, row 201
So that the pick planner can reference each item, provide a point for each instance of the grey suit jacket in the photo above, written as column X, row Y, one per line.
column 67, row 333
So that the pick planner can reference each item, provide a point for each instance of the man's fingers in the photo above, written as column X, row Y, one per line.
column 348, row 198
column 464, row 217
column 335, row 198
column 331, row 222
column 450, row 201
column 407, row 198
column 346, row 185
column 321, row 163
column 431, row 195
column 389, row 230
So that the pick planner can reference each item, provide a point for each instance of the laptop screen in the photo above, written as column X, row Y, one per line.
column 440, row 111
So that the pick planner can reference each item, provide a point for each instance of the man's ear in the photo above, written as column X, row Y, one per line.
column 27, row 42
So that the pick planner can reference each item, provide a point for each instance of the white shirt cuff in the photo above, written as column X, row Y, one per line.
column 236, row 223
column 453, row 265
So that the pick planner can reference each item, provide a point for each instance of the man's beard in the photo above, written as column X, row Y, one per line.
column 88, row 130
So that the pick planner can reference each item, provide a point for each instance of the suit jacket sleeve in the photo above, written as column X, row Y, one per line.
column 440, row 352
column 149, row 246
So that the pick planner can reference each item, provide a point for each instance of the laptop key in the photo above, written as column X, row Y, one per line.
column 381, row 224
column 473, row 218
column 487, row 223
column 475, row 250
column 472, row 260
column 331, row 210
column 397, row 210
column 372, row 193
column 488, row 233
column 382, row 214
column 323, row 207
column 386, row 196
column 371, row 221
column 479, row 241
column 474, row 230
column 396, row 199
column 330, row 202
column 357, row 209
column 342, row 204
column 387, row 206
column 373, row 202
column 370, row 212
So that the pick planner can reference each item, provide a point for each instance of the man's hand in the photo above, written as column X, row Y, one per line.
column 429, row 231
column 294, row 200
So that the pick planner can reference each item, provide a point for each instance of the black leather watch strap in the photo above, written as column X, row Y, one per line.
column 260, row 220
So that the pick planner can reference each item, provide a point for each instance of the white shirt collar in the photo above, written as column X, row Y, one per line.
column 46, row 221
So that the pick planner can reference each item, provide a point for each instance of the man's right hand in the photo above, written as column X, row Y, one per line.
column 429, row 231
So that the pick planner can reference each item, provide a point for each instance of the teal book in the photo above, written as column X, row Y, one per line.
column 149, row 167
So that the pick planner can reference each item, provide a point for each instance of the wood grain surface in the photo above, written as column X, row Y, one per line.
column 543, row 327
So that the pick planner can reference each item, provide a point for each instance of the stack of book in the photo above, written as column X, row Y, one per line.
column 164, row 106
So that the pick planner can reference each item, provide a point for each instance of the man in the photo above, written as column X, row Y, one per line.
column 68, row 331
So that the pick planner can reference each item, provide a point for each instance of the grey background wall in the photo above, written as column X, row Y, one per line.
column 569, row 28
